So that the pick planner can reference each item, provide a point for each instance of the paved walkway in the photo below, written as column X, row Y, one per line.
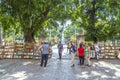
column 17, row 69
column 27, row 69
column 65, row 53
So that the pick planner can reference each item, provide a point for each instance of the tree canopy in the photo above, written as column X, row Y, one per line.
column 99, row 18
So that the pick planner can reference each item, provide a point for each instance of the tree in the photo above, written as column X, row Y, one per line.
column 98, row 17
column 33, row 15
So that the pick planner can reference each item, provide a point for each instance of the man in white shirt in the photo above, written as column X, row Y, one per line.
column 97, row 50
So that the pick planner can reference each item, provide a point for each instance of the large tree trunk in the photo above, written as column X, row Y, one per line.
column 29, row 35
column 93, row 21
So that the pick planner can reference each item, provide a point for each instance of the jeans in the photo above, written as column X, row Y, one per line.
column 44, row 59
column 81, row 58
column 97, row 55
column 60, row 53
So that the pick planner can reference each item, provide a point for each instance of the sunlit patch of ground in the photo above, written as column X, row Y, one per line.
column 27, row 69
column 13, row 69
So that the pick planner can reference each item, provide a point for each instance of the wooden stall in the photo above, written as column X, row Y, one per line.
column 8, row 50
column 109, row 51
column 18, row 50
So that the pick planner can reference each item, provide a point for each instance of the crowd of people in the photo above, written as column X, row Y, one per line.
column 83, row 52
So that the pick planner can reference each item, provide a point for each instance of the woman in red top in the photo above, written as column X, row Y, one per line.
column 81, row 54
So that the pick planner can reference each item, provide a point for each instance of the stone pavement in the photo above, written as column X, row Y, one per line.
column 65, row 53
column 26, row 69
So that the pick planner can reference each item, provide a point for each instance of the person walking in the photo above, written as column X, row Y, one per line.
column 87, row 54
column 81, row 54
column 97, row 51
column 92, row 51
column 60, row 50
column 73, row 50
column 45, row 52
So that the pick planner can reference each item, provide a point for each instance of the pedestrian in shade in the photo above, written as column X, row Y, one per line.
column 87, row 54
column 97, row 50
column 73, row 50
column 60, row 50
column 81, row 54
column 45, row 53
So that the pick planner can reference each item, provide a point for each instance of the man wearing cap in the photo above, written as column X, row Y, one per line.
column 45, row 52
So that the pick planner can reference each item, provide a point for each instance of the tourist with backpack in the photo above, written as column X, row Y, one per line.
column 73, row 53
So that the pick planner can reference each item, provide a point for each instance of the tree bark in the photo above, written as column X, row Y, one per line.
column 93, row 21
column 29, row 35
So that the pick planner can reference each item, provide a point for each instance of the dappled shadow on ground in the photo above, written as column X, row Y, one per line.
column 102, row 70
column 58, row 70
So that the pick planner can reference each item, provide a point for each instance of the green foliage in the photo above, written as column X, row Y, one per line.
column 69, row 32
column 99, row 18
column 34, row 15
